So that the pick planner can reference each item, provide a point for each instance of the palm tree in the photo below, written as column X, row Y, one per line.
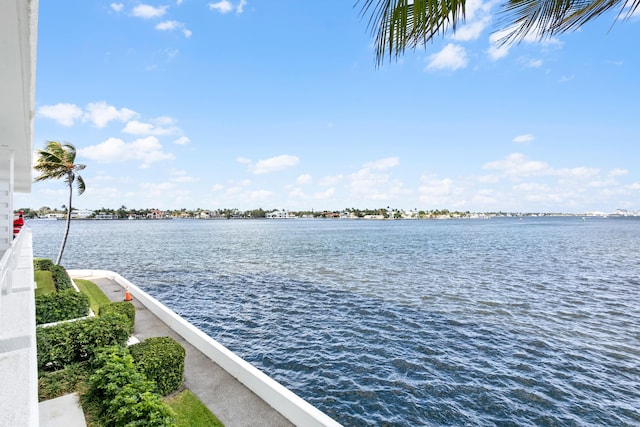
column 401, row 24
column 57, row 161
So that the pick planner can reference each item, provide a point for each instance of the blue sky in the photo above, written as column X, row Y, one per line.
column 247, row 104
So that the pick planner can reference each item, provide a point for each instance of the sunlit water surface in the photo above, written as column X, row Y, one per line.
column 467, row 322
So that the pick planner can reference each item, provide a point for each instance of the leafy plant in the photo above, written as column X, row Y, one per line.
column 161, row 359
column 123, row 396
column 66, row 343
column 61, row 278
column 63, row 305
column 42, row 264
column 122, row 308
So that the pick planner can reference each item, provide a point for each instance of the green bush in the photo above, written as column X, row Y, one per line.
column 122, row 308
column 64, row 305
column 122, row 395
column 44, row 264
column 73, row 342
column 61, row 278
column 135, row 405
column 161, row 360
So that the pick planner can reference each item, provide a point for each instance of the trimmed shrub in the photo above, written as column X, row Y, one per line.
column 122, row 308
column 64, row 305
column 74, row 342
column 61, row 278
column 44, row 264
column 137, row 406
column 161, row 360
column 122, row 395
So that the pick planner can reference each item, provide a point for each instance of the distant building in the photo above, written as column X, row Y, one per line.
column 279, row 215
column 83, row 214
column 104, row 215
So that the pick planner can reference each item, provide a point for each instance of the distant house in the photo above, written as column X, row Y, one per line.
column 104, row 215
column 156, row 214
column 83, row 214
column 279, row 215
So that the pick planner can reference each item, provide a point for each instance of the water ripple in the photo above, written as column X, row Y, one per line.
column 501, row 322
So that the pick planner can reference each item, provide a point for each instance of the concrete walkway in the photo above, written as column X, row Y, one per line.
column 63, row 411
column 232, row 402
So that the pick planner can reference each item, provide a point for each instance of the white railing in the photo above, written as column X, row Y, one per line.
column 283, row 400
column 16, row 264
column 18, row 364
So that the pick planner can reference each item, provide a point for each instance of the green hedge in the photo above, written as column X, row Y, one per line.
column 123, row 308
column 63, row 305
column 161, row 359
column 61, row 278
column 44, row 264
column 122, row 395
column 74, row 342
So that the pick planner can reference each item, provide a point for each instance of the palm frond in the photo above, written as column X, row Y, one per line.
column 401, row 24
column 546, row 18
column 80, row 185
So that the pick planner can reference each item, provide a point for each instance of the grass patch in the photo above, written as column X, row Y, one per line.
column 97, row 298
column 190, row 411
column 58, row 383
column 45, row 282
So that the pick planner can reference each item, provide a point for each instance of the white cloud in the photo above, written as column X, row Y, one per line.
column 303, row 179
column 100, row 114
column 331, row 180
column 618, row 172
column 168, row 25
column 223, row 6
column 173, row 25
column 64, row 114
column 135, row 127
column 451, row 57
column 183, row 140
column 471, row 30
column 275, row 164
column 148, row 150
column 260, row 195
column 147, row 12
column 383, row 164
column 634, row 186
column 243, row 160
column 181, row 176
column 524, row 139
column 371, row 183
column 497, row 50
column 534, row 63
column 517, row 164
column 116, row 6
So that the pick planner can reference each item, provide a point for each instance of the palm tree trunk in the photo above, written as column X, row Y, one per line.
column 66, row 230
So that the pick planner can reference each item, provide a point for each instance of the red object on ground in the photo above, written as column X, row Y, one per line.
column 18, row 223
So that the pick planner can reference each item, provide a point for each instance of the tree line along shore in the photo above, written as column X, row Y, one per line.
column 350, row 213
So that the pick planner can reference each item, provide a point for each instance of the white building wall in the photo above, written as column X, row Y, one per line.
column 18, row 359
column 6, row 199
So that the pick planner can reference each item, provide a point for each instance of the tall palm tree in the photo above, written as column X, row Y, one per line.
column 401, row 24
column 56, row 161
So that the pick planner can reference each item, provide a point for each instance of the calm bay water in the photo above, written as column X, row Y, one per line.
column 466, row 322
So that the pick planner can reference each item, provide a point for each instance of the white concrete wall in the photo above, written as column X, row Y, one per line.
column 6, row 198
column 283, row 400
column 18, row 362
